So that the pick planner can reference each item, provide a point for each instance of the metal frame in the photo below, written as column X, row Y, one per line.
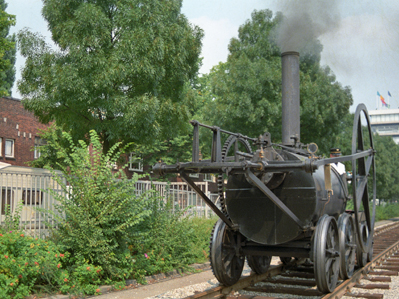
column 310, row 164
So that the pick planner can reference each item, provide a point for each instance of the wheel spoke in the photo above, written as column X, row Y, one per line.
column 226, row 265
column 327, row 257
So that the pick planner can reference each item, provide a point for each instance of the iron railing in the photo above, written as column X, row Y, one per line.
column 27, row 192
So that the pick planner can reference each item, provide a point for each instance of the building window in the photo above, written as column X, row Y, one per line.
column 7, row 200
column 9, row 150
column 208, row 177
column 1, row 146
column 38, row 143
column 194, row 175
column 135, row 162
column 32, row 197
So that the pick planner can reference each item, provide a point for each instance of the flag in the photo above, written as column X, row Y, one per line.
column 389, row 93
column 382, row 100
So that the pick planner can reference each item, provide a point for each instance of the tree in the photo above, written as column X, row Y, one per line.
column 387, row 165
column 246, row 90
column 120, row 70
column 7, row 51
column 50, row 155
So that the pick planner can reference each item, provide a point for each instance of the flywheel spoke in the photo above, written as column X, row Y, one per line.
column 363, row 170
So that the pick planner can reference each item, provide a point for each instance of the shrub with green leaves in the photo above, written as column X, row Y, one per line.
column 171, row 240
column 101, row 209
column 387, row 211
column 11, row 220
column 29, row 265
column 26, row 262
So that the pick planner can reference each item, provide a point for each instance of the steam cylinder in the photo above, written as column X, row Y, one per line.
column 260, row 220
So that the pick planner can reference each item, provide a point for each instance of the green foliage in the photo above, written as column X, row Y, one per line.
column 169, row 151
column 100, row 210
column 171, row 241
column 22, row 263
column 50, row 156
column 244, row 94
column 386, row 211
column 121, row 69
column 7, row 51
column 387, row 165
column 34, row 265
column 11, row 221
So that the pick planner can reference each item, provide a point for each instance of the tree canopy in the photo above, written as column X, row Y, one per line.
column 246, row 90
column 7, row 51
column 387, row 165
column 120, row 69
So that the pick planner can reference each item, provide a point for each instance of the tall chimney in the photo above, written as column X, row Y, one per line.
column 290, row 98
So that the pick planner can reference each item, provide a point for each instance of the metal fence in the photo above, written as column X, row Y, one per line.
column 30, row 191
column 22, row 193
column 183, row 197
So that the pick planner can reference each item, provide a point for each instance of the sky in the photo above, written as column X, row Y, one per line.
column 360, row 37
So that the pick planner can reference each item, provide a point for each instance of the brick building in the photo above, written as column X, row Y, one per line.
column 19, row 133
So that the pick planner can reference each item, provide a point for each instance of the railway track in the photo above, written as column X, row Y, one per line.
column 296, row 280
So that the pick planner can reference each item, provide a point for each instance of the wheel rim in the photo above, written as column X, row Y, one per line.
column 258, row 263
column 362, row 256
column 362, row 169
column 326, row 254
column 347, row 245
column 226, row 264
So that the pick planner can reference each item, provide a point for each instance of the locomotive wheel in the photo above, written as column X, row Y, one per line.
column 347, row 245
column 231, row 140
column 226, row 264
column 258, row 263
column 326, row 254
column 363, row 174
column 363, row 257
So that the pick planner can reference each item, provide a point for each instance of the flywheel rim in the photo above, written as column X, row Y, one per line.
column 361, row 173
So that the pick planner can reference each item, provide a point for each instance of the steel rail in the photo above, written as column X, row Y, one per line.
column 340, row 290
column 222, row 291
column 345, row 286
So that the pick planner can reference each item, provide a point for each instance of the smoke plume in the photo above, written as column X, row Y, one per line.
column 304, row 21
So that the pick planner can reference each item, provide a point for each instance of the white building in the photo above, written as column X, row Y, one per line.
column 385, row 123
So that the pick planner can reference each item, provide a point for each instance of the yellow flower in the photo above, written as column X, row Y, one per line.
column 32, row 245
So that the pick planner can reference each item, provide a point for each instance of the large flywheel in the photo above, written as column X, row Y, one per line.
column 226, row 262
column 363, row 182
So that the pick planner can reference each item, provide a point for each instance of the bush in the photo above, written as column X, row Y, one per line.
column 387, row 211
column 382, row 212
column 34, row 265
column 101, row 209
column 171, row 241
column 23, row 261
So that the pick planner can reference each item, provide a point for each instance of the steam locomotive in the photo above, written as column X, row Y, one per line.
column 284, row 200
